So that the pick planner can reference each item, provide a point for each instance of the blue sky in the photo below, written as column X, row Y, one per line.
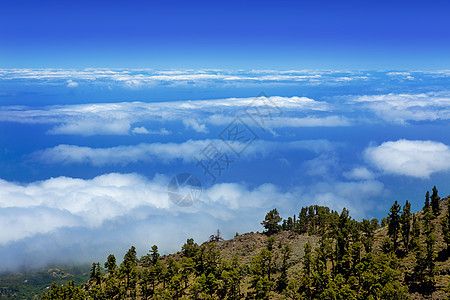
column 231, row 34
column 102, row 103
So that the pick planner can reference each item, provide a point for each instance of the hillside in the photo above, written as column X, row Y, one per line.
column 30, row 284
column 321, row 254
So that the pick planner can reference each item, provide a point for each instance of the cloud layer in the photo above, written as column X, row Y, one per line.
column 125, row 118
column 139, row 78
column 119, row 118
column 168, row 152
column 68, row 219
column 123, row 202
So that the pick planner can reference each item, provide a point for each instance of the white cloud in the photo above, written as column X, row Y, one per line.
column 86, row 219
column 284, row 122
column 417, row 159
column 401, row 108
column 405, row 74
column 93, row 127
column 140, row 130
column 118, row 118
column 324, row 166
column 329, row 121
column 123, row 155
column 167, row 152
column 71, row 83
column 137, row 78
column 44, row 206
column 359, row 173
column 354, row 196
column 191, row 123
column 143, row 130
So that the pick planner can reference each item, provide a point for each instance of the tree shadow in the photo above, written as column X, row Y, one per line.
column 400, row 253
column 423, row 288
column 443, row 255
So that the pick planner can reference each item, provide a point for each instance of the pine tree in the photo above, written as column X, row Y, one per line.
column 260, row 283
column 154, row 254
column 283, row 278
column 307, row 259
column 187, row 268
column 425, row 264
column 303, row 220
column 68, row 291
column 93, row 271
column 394, row 224
column 232, row 276
column 426, row 207
column 368, row 230
column 110, row 263
column 414, row 244
column 127, row 270
column 435, row 201
column 111, row 287
column 96, row 273
column 190, row 248
column 430, row 241
column 271, row 221
column 427, row 218
column 406, row 225
column 341, row 234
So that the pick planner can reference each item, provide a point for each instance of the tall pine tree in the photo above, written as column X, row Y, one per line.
column 435, row 201
column 406, row 225
column 271, row 221
column 394, row 224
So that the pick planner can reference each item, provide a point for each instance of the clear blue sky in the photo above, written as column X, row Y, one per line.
column 226, row 34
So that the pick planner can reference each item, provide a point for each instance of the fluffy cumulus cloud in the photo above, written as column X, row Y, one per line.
column 411, row 158
column 81, row 220
column 168, row 152
column 113, row 211
column 140, row 130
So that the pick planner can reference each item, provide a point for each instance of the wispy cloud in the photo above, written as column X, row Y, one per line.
column 401, row 108
column 198, row 115
column 168, row 152
column 135, row 78
column 71, row 83
column 118, row 118
column 143, row 130
column 359, row 173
